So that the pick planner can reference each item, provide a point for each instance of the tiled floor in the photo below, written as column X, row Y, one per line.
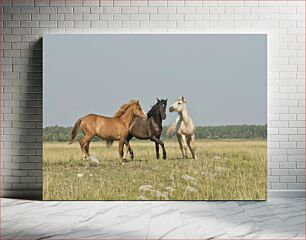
column 273, row 219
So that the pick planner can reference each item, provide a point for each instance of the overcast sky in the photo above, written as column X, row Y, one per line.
column 222, row 76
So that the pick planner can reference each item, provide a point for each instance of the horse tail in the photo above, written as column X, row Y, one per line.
column 75, row 131
column 171, row 129
column 109, row 143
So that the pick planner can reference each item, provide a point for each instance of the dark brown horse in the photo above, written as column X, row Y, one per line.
column 150, row 128
column 108, row 128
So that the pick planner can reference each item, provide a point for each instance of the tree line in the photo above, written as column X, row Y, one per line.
column 62, row 134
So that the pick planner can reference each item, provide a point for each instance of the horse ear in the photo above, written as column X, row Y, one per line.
column 183, row 99
column 157, row 100
column 137, row 102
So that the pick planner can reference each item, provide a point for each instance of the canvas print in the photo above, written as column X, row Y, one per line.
column 155, row 117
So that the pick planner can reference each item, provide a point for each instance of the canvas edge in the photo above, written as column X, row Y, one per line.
column 37, row 194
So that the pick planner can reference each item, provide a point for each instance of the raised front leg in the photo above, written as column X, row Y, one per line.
column 160, row 142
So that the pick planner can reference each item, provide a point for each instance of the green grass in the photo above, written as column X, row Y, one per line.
column 224, row 170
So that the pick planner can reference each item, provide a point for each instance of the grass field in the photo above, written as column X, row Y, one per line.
column 224, row 170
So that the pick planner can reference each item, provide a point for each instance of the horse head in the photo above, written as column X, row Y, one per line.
column 179, row 105
column 162, row 107
column 137, row 110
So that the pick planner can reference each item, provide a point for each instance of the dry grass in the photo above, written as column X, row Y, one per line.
column 224, row 170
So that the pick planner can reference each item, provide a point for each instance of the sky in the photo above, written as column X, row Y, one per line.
column 223, row 77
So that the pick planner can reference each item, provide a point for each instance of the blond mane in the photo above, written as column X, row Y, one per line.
column 124, row 107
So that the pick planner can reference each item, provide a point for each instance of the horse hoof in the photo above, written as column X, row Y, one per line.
column 164, row 157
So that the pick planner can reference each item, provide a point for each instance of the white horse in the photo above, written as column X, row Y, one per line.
column 183, row 126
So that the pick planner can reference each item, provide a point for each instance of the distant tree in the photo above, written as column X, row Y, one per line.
column 62, row 134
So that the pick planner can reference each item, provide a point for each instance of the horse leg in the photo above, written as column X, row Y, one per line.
column 83, row 143
column 128, row 149
column 160, row 142
column 185, row 145
column 83, row 151
column 121, row 145
column 87, row 148
column 129, row 137
column 179, row 139
column 193, row 146
column 157, row 150
column 182, row 141
column 190, row 143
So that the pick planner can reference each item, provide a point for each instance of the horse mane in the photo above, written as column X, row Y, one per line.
column 124, row 107
column 152, row 110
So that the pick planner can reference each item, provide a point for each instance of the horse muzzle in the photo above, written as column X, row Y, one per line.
column 171, row 109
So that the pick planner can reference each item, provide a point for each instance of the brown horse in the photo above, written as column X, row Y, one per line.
column 107, row 128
